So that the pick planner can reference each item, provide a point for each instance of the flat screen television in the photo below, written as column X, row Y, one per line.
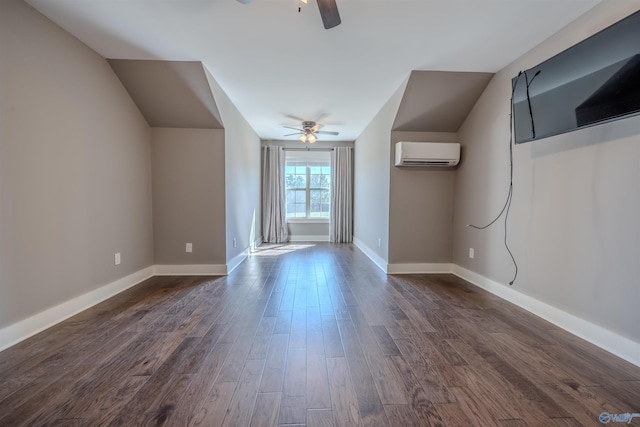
column 593, row 82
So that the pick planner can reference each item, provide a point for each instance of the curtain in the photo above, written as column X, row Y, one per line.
column 341, row 222
column 274, row 224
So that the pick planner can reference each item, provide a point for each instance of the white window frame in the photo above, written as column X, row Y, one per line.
column 310, row 159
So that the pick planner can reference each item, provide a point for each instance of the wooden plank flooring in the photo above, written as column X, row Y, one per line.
column 316, row 335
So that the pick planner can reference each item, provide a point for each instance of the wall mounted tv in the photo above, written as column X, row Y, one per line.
column 593, row 82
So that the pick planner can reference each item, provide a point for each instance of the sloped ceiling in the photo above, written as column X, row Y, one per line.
column 439, row 101
column 278, row 65
column 172, row 94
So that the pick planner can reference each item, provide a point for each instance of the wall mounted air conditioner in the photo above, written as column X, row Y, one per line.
column 427, row 154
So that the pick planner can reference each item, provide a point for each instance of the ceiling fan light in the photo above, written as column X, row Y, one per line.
column 303, row 138
column 311, row 138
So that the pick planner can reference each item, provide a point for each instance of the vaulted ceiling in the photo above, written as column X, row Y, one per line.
column 439, row 101
column 279, row 66
column 170, row 94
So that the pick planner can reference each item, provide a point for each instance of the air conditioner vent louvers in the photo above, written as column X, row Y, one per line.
column 425, row 163
column 435, row 154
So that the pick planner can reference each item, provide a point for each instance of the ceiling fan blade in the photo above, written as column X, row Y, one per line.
column 289, row 127
column 326, row 132
column 297, row 133
column 321, row 117
column 297, row 119
column 329, row 13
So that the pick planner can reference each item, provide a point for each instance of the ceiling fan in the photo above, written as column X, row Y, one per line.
column 309, row 131
column 328, row 12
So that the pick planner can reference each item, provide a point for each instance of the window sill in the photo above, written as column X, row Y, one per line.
column 307, row 220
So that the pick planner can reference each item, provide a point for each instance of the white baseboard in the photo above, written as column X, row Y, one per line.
column 256, row 243
column 610, row 341
column 622, row 347
column 190, row 270
column 377, row 259
column 30, row 326
column 23, row 329
column 302, row 238
column 419, row 268
column 607, row 340
column 236, row 261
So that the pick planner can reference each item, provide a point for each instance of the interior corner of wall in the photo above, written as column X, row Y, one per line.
column 219, row 96
column 380, row 261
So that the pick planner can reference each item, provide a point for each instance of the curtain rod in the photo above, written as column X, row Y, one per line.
column 307, row 149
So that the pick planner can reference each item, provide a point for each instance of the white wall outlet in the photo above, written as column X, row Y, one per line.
column 234, row 242
column 379, row 243
column 472, row 253
column 189, row 247
column 116, row 259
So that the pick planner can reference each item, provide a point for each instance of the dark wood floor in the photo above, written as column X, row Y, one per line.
column 315, row 335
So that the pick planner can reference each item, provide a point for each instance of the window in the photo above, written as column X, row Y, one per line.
column 308, row 186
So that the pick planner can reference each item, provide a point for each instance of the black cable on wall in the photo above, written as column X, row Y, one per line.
column 507, row 205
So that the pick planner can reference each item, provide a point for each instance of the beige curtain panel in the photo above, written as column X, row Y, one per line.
column 341, row 219
column 274, row 224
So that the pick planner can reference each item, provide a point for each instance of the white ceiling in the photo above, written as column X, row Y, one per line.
column 275, row 63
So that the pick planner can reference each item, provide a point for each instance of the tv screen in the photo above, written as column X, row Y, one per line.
column 593, row 82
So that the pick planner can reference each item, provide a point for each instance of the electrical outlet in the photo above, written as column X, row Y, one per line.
column 379, row 243
column 116, row 259
column 234, row 242
column 189, row 247
column 471, row 253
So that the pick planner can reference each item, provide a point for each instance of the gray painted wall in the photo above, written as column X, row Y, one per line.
column 420, row 207
column 371, row 178
column 188, row 195
column 75, row 169
column 574, row 224
column 206, row 188
column 242, row 176
column 319, row 230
